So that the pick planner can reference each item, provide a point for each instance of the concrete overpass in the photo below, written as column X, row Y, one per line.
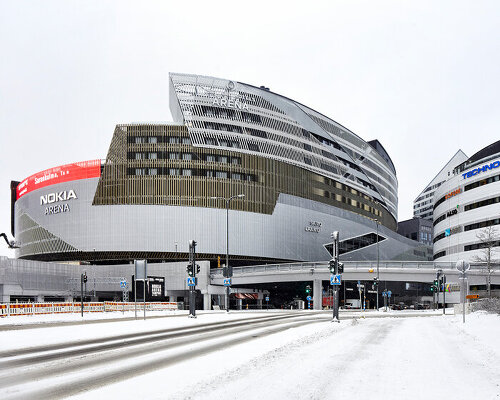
column 395, row 271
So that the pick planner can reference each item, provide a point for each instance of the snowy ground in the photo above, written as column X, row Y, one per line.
column 378, row 358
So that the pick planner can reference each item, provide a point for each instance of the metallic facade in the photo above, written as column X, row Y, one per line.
column 303, row 176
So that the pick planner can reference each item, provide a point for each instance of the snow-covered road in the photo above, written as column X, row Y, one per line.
column 221, row 356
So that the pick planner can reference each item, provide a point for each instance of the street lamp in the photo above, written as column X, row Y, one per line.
column 378, row 261
column 228, row 200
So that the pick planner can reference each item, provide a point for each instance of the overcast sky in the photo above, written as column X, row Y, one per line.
column 422, row 77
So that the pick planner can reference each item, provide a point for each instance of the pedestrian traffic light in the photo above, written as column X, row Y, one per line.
column 375, row 282
column 190, row 270
column 433, row 288
column 84, row 278
column 308, row 289
column 331, row 265
column 340, row 268
column 197, row 269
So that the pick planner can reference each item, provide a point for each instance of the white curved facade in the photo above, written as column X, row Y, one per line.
column 465, row 206
column 220, row 113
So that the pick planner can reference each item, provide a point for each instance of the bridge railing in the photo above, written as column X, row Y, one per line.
column 348, row 265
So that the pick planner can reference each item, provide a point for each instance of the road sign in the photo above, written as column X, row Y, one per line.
column 309, row 298
column 463, row 266
column 123, row 284
column 191, row 281
column 389, row 294
column 267, row 298
column 335, row 279
column 472, row 296
column 227, row 282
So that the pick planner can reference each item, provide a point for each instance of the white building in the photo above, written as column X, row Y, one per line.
column 423, row 204
column 466, row 204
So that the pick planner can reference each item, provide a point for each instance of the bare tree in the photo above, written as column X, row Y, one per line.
column 489, row 239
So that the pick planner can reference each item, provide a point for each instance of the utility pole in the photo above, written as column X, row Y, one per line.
column 228, row 271
column 378, row 262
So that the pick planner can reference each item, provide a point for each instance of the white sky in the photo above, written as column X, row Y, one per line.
column 419, row 76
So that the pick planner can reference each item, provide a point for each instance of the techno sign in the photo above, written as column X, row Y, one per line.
column 64, row 173
column 484, row 168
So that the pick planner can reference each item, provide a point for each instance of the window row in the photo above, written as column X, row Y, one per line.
column 163, row 155
column 145, row 171
column 482, row 182
column 158, row 139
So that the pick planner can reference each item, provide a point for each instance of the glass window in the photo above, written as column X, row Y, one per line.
column 152, row 156
column 152, row 139
column 153, row 171
column 223, row 159
column 186, row 140
column 173, row 156
column 211, row 158
column 173, row 171
column 236, row 176
column 173, row 140
column 187, row 172
column 187, row 156
column 221, row 174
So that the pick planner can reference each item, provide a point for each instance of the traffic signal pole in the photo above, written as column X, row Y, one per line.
column 192, row 270
column 335, row 244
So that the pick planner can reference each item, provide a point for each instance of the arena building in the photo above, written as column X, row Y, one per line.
column 302, row 175
column 466, row 205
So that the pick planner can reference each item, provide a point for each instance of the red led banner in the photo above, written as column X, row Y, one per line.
column 63, row 173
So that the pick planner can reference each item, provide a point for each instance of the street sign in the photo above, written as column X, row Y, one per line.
column 267, row 298
column 309, row 298
column 123, row 284
column 191, row 281
column 335, row 279
column 463, row 266
column 389, row 294
column 227, row 282
column 472, row 296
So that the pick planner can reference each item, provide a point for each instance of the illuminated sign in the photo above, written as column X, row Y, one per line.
column 454, row 193
column 64, row 173
column 484, row 168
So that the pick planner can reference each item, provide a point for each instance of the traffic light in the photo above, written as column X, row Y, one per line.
column 331, row 265
column 84, row 278
column 433, row 288
column 340, row 268
column 190, row 270
column 308, row 289
column 197, row 269
column 375, row 282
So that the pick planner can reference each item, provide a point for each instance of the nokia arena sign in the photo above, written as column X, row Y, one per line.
column 57, row 197
column 484, row 168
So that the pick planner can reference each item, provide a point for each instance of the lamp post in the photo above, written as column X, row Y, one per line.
column 227, row 200
column 378, row 261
